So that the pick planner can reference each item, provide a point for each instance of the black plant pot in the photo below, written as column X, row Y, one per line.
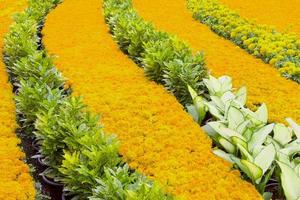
column 39, row 160
column 64, row 196
column 51, row 182
column 35, row 146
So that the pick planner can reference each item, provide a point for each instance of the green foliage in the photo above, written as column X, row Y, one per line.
column 33, row 98
column 165, row 59
column 38, row 67
column 119, row 184
column 246, row 139
column 72, row 141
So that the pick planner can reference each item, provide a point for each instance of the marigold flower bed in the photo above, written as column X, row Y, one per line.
column 224, row 58
column 282, row 15
column 149, row 122
column 16, row 182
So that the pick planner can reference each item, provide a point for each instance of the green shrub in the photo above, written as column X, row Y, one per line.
column 165, row 59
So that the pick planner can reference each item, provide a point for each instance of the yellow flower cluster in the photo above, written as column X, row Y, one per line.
column 15, row 179
column 222, row 57
column 272, row 12
column 278, row 49
column 158, row 138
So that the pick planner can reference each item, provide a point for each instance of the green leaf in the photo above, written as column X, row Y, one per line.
column 200, row 108
column 235, row 117
column 290, row 182
column 241, row 95
column 267, row 195
column 226, row 83
column 210, row 131
column 254, row 172
column 193, row 93
column 212, row 85
column 224, row 155
column 282, row 134
column 237, row 140
column 245, row 153
column 242, row 127
column 265, row 158
column 259, row 137
column 223, row 131
column 295, row 127
column 193, row 112
column 290, row 150
column 262, row 113
column 214, row 111
column 228, row 146
column 216, row 100
column 250, row 169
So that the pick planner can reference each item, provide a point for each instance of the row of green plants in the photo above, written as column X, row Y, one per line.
column 266, row 154
column 165, row 59
column 281, row 50
column 72, row 142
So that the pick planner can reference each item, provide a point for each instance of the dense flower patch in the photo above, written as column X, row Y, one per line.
column 279, row 49
column 244, row 137
column 72, row 142
column 150, row 123
column 283, row 16
column 222, row 57
column 16, row 182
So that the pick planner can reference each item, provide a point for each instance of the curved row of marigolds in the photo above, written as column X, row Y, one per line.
column 86, row 160
column 242, row 136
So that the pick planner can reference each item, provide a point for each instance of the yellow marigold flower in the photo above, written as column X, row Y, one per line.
column 16, row 182
column 264, row 83
column 157, row 136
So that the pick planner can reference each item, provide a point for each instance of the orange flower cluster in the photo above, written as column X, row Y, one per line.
column 222, row 57
column 158, row 138
column 282, row 15
column 15, row 180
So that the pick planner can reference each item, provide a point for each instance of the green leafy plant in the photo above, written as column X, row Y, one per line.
column 165, row 59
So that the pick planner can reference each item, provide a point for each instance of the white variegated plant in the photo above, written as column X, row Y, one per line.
column 239, row 132
column 246, row 139
column 287, row 143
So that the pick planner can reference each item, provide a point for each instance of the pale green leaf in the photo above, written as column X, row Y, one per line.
column 290, row 182
column 244, row 152
column 265, row 158
column 193, row 93
column 259, row 137
column 236, row 140
column 224, row 155
column 241, row 95
column 235, row 117
column 295, row 127
column 228, row 146
column 262, row 113
column 282, row 134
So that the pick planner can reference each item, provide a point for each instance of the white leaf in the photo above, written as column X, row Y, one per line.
column 214, row 111
column 262, row 113
column 295, row 127
column 265, row 158
column 290, row 182
column 260, row 136
column 282, row 134
column 241, row 95
column 222, row 154
column 230, row 148
column 226, row 83
column 216, row 100
column 235, row 117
